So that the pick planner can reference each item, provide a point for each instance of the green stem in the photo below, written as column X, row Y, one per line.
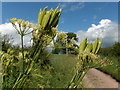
column 17, row 81
column 73, row 78
column 22, row 53
column 50, row 53
column 80, row 80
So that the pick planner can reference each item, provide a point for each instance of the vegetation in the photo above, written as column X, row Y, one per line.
column 112, row 54
column 36, row 67
column 7, row 41
column 71, row 50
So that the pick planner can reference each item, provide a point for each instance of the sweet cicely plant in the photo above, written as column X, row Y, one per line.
column 22, row 30
column 18, row 68
column 87, row 59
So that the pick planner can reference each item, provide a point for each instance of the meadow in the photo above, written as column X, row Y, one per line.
column 63, row 69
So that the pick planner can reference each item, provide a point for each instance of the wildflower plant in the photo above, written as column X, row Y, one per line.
column 17, row 68
column 87, row 59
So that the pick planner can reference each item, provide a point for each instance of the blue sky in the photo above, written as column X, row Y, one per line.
column 86, row 19
column 75, row 16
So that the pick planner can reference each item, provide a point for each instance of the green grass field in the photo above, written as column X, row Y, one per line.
column 57, row 76
column 63, row 66
column 62, row 71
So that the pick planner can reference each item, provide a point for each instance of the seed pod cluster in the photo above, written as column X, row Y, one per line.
column 48, row 19
column 90, row 48
column 87, row 52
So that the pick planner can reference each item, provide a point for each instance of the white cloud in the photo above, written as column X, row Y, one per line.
column 7, row 28
column 106, row 29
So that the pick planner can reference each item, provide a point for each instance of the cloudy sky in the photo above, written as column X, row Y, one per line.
column 86, row 19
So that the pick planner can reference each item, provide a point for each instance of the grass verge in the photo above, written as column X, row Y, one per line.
column 113, row 69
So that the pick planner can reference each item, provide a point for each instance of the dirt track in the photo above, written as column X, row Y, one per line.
column 97, row 79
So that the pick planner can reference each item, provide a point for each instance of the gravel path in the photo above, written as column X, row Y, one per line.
column 97, row 79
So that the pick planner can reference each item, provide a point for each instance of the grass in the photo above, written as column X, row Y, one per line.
column 112, row 69
column 63, row 66
column 59, row 74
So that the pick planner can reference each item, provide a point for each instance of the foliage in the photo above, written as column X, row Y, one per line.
column 19, row 69
column 65, row 40
column 43, row 33
column 111, row 51
column 87, row 59
column 70, row 36
column 113, row 69
column 7, row 41
column 116, row 49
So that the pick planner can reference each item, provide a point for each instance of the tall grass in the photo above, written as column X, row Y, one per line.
column 63, row 66
column 113, row 69
column 58, row 75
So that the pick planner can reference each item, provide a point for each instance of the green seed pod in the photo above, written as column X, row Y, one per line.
column 8, row 51
column 41, row 15
column 99, row 45
column 46, row 19
column 55, row 23
column 86, row 49
column 53, row 16
column 90, row 46
column 95, row 45
column 83, row 45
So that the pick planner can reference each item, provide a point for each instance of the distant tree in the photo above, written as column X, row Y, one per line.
column 60, row 44
column 7, row 41
column 70, row 36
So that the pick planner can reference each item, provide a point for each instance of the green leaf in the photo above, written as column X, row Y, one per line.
column 37, row 75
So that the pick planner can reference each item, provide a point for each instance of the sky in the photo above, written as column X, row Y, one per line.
column 86, row 19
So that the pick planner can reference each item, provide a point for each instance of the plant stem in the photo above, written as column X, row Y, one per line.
column 22, row 53
column 81, row 78
column 50, row 53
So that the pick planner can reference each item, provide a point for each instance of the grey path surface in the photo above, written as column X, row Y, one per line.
column 97, row 79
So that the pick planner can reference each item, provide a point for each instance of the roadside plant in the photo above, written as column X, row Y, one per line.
column 43, row 33
column 22, row 29
column 87, row 59
column 17, row 68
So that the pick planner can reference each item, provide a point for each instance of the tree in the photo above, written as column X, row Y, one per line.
column 72, row 50
column 69, row 37
column 7, row 41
